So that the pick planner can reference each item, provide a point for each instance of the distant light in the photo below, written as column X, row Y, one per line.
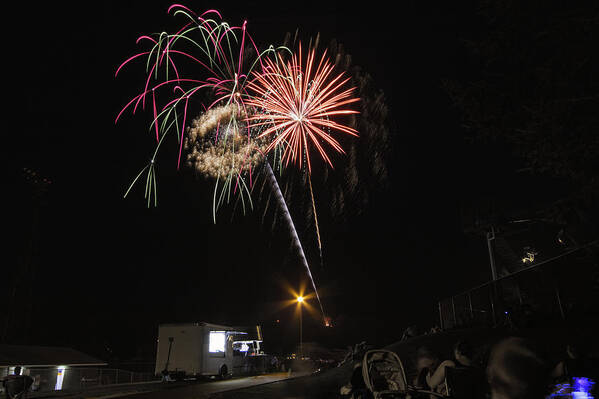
column 300, row 299
column 530, row 257
column 60, row 377
column 580, row 388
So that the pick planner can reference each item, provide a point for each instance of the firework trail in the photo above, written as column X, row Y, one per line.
column 316, row 222
column 287, row 216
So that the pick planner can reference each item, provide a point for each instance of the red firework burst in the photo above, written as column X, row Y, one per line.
column 296, row 103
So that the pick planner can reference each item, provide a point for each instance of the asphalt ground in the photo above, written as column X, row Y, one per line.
column 152, row 390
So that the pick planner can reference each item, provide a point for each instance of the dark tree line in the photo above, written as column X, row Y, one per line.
column 532, row 84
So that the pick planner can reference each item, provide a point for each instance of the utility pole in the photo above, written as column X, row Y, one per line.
column 491, row 237
column 493, row 296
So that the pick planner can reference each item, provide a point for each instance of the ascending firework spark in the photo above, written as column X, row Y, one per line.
column 279, row 196
column 296, row 101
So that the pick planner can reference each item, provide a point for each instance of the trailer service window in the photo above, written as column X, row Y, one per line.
column 217, row 341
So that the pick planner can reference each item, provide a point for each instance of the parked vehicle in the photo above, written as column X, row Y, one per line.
column 195, row 349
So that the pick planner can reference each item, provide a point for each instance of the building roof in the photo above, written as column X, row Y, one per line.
column 44, row 356
column 198, row 324
column 251, row 332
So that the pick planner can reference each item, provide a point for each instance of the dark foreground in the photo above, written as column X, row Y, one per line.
column 326, row 384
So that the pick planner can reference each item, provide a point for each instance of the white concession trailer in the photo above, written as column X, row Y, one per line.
column 195, row 349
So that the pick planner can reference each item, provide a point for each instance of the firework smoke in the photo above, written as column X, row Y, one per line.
column 217, row 144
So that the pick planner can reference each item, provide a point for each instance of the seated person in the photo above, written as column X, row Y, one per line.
column 516, row 370
column 17, row 385
column 410, row 332
column 356, row 385
column 576, row 364
column 462, row 353
column 466, row 380
column 425, row 361
column 436, row 380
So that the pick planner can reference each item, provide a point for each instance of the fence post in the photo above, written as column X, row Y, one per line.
column 492, row 296
column 440, row 316
column 470, row 304
column 519, row 292
column 100, row 377
column 559, row 301
column 491, row 236
column 455, row 319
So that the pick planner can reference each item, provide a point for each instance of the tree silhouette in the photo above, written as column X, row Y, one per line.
column 532, row 85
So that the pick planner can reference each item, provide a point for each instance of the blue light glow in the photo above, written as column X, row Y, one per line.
column 579, row 389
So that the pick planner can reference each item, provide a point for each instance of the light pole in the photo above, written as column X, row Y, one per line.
column 300, row 301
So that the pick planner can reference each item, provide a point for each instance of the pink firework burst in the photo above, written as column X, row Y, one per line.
column 296, row 102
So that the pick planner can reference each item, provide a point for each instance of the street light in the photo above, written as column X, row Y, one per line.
column 300, row 301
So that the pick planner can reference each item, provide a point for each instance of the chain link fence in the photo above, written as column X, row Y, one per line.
column 563, row 288
column 47, row 379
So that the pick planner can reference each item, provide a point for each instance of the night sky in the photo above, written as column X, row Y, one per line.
column 108, row 270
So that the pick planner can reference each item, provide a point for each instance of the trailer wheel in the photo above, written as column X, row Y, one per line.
column 224, row 372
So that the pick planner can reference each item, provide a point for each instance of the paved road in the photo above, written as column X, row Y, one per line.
column 207, row 390
column 322, row 385
column 97, row 391
column 175, row 390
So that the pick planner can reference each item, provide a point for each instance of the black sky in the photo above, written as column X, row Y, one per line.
column 109, row 269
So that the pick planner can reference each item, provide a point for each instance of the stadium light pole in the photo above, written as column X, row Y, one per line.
column 300, row 301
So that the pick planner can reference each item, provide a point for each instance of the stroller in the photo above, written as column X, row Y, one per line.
column 385, row 377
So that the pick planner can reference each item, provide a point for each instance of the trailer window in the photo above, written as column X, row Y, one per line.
column 216, row 343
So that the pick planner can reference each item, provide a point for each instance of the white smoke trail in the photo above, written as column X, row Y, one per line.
column 279, row 196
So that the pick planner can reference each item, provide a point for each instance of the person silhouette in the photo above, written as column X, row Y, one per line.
column 16, row 385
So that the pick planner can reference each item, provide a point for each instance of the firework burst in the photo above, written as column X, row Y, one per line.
column 221, row 57
column 255, row 104
column 295, row 101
